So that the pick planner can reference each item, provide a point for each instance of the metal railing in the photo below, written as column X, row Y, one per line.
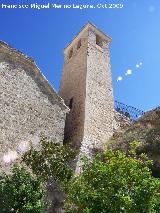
column 128, row 111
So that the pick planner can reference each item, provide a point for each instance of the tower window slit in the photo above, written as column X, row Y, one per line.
column 71, row 53
column 98, row 40
column 79, row 44
column 71, row 103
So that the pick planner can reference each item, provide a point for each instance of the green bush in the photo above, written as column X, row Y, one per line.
column 20, row 192
column 52, row 161
column 153, row 141
column 114, row 182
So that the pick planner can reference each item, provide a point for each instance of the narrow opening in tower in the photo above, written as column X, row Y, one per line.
column 71, row 53
column 98, row 40
column 71, row 103
column 79, row 44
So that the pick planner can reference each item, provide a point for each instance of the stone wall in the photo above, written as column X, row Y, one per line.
column 29, row 106
column 99, row 106
column 87, row 82
column 121, row 122
column 73, row 87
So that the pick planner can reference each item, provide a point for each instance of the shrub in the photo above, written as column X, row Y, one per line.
column 51, row 161
column 114, row 182
column 21, row 192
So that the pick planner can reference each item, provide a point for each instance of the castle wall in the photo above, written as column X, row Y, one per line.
column 99, row 106
column 73, row 87
column 87, row 79
column 27, row 108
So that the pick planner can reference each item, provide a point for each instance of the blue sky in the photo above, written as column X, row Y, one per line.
column 135, row 31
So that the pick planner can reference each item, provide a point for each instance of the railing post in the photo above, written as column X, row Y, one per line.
column 128, row 111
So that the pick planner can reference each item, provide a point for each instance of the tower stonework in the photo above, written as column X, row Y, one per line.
column 86, row 87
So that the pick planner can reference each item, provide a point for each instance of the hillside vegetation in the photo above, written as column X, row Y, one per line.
column 147, row 131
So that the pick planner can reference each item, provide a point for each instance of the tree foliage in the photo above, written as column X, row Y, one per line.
column 21, row 192
column 51, row 161
column 114, row 183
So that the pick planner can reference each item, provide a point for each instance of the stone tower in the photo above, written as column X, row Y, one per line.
column 86, row 87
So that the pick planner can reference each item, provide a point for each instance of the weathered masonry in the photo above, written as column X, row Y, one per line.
column 86, row 87
column 29, row 106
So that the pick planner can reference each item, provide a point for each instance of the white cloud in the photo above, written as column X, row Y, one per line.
column 119, row 78
column 128, row 72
